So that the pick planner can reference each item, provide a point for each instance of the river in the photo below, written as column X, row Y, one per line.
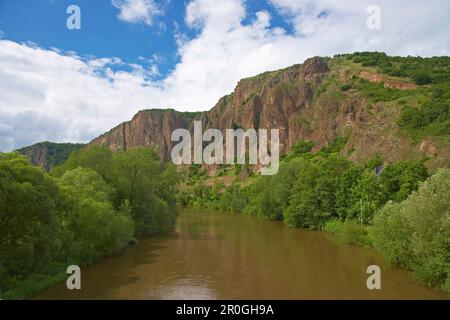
column 214, row 255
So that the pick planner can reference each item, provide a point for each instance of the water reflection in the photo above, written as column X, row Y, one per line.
column 223, row 256
column 193, row 288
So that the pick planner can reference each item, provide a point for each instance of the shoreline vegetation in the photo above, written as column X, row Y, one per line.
column 398, row 209
column 92, row 206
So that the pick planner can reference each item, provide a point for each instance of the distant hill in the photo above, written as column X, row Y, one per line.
column 49, row 154
column 396, row 107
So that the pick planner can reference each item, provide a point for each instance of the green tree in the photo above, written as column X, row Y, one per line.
column 422, row 77
column 92, row 228
column 140, row 178
column 29, row 228
column 399, row 179
column 97, row 158
column 415, row 233
column 313, row 200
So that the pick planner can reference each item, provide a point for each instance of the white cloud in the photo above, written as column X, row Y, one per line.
column 407, row 27
column 137, row 11
column 87, row 97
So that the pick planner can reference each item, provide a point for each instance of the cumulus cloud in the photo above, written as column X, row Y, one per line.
column 86, row 97
column 137, row 11
column 407, row 27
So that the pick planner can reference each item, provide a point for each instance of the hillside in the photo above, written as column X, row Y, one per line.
column 397, row 107
column 49, row 154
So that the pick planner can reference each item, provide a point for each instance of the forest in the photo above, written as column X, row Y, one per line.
column 92, row 206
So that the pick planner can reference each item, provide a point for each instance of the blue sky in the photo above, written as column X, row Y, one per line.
column 104, row 35
column 71, row 85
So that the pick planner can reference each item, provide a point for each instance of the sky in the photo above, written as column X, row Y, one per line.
column 70, row 85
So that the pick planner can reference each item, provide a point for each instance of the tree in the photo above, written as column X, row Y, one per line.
column 415, row 233
column 398, row 180
column 313, row 200
column 29, row 227
column 92, row 228
column 140, row 178
column 345, row 197
column 97, row 158
column 421, row 78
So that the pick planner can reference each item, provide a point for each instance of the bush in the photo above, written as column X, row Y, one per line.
column 422, row 78
column 349, row 232
column 233, row 199
column 346, row 86
column 415, row 233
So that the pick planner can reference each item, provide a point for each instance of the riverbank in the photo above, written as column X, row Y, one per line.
column 217, row 255
column 216, row 247
column 33, row 285
column 401, row 210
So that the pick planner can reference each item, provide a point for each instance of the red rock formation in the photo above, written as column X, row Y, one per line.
column 302, row 101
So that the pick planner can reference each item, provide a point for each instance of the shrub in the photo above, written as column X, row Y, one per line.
column 415, row 233
column 422, row 78
column 349, row 232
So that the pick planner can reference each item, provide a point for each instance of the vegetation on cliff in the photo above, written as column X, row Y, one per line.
column 49, row 154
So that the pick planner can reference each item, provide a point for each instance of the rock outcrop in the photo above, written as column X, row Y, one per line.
column 147, row 128
column 305, row 101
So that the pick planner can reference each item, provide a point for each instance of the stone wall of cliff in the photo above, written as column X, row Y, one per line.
column 304, row 101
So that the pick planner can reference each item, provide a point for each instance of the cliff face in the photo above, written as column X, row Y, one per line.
column 307, row 102
column 147, row 128
column 273, row 100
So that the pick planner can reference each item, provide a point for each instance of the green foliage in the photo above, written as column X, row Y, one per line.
column 195, row 174
column 398, row 180
column 141, row 179
column 377, row 92
column 56, row 153
column 433, row 116
column 335, row 146
column 233, row 199
column 93, row 206
column 421, row 78
column 349, row 232
column 313, row 200
column 415, row 233
column 92, row 228
column 269, row 196
column 300, row 148
column 346, row 86
column 99, row 159
column 29, row 225
column 421, row 70
column 138, row 178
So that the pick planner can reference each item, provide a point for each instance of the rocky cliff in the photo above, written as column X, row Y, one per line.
column 304, row 101
column 319, row 100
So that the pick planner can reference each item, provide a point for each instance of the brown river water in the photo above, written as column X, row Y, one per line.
column 214, row 255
